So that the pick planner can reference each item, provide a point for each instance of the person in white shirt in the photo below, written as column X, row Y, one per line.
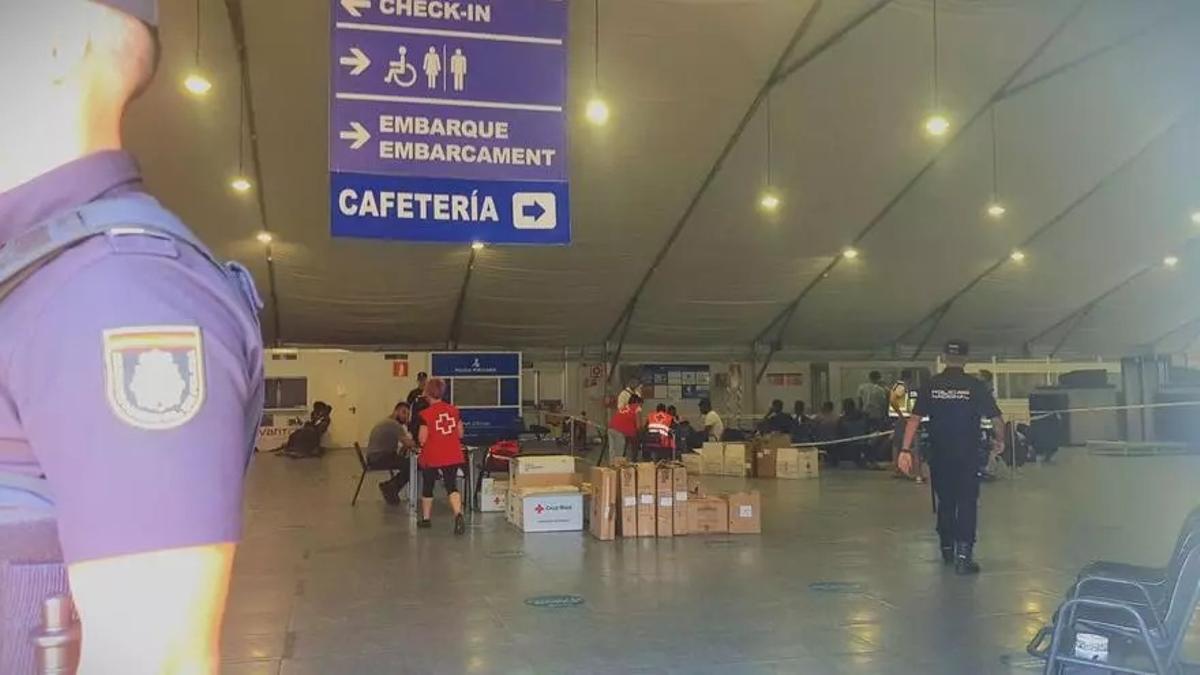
column 714, row 428
column 633, row 388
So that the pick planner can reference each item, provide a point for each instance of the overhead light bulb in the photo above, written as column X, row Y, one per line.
column 1196, row 217
column 240, row 184
column 850, row 253
column 197, row 84
column 477, row 246
column 597, row 111
column 996, row 210
column 769, row 200
column 265, row 237
column 1171, row 261
column 1017, row 255
column 937, row 125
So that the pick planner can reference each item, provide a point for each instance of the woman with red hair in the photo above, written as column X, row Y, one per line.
column 441, row 454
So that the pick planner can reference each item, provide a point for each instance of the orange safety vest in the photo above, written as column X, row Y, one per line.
column 659, row 423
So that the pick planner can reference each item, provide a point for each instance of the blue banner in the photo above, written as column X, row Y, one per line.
column 465, row 364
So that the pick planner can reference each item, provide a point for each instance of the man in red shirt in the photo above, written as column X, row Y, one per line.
column 441, row 453
column 623, row 429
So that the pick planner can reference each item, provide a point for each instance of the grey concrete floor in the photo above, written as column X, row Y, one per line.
column 323, row 588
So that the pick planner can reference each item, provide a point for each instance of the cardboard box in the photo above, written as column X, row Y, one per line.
column 708, row 515
column 543, row 471
column 764, row 462
column 693, row 462
column 646, row 492
column 745, row 513
column 493, row 495
column 775, row 441
column 695, row 487
column 603, row 520
column 679, row 481
column 739, row 460
column 546, row 511
column 712, row 459
column 627, row 494
column 664, row 494
column 796, row 463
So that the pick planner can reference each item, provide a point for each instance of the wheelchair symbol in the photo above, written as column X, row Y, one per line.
column 401, row 73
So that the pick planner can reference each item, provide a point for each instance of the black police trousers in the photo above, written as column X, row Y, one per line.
column 955, row 478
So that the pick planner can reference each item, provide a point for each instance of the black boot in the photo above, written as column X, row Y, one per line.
column 964, row 559
column 391, row 494
column 460, row 526
column 947, row 552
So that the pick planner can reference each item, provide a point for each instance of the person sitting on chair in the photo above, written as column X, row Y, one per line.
column 306, row 441
column 776, row 421
column 388, row 447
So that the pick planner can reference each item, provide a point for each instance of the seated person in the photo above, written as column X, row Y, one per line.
column 776, row 421
column 802, row 429
column 660, row 439
column 853, row 422
column 306, row 441
column 825, row 424
column 714, row 427
column 388, row 447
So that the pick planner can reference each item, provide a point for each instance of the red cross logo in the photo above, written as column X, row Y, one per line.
column 539, row 508
column 445, row 424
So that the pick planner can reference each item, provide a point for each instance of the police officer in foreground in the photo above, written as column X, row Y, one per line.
column 955, row 403
column 130, row 367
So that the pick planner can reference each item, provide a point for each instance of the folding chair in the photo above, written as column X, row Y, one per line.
column 366, row 468
column 1160, row 640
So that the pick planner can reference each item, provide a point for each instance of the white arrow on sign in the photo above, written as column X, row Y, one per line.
column 359, row 135
column 357, row 61
column 353, row 7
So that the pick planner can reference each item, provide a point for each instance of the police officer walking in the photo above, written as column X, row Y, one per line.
column 130, row 367
column 955, row 403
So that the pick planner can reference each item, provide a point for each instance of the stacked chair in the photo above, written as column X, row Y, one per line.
column 1145, row 612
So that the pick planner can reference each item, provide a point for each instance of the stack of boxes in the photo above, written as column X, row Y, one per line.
column 764, row 457
column 645, row 499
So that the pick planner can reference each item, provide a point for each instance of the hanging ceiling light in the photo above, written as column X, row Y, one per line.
column 1017, row 255
column 597, row 109
column 769, row 199
column 196, row 82
column 850, row 253
column 1196, row 217
column 936, row 124
column 1171, row 261
column 264, row 237
column 477, row 246
column 995, row 208
column 240, row 182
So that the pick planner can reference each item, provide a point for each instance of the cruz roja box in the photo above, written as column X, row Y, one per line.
column 493, row 495
column 603, row 522
column 546, row 510
column 646, row 493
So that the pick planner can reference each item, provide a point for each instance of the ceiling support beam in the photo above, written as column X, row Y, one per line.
column 627, row 312
column 237, row 26
column 1190, row 323
column 456, row 323
column 616, row 358
column 784, row 317
column 1094, row 54
column 1080, row 313
column 1116, row 172
column 830, row 41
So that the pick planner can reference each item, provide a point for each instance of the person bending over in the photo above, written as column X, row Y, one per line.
column 441, row 454
column 388, row 447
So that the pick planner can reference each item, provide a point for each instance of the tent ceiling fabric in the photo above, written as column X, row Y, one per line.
column 1120, row 83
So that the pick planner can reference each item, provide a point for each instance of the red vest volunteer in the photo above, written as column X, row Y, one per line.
column 442, row 446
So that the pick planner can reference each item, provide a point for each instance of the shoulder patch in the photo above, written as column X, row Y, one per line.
column 154, row 375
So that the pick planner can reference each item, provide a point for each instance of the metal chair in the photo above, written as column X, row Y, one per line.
column 1147, row 589
column 1160, row 638
column 366, row 468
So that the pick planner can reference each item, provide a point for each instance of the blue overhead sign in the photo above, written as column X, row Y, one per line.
column 469, row 364
column 447, row 122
